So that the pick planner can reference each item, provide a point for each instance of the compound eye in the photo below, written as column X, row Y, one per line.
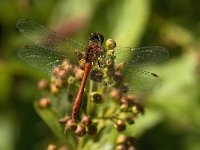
column 96, row 37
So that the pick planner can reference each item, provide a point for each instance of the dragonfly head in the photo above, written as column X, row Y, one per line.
column 96, row 37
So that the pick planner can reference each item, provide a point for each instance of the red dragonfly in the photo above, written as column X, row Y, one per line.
column 51, row 49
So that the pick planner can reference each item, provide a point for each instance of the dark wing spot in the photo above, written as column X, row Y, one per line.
column 155, row 75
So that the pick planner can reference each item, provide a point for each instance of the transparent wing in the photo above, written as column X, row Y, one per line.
column 41, row 58
column 141, row 80
column 141, row 56
column 48, row 39
column 136, row 79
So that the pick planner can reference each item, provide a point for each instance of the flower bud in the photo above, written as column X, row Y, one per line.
column 71, row 124
column 58, row 82
column 121, row 147
column 134, row 109
column 85, row 120
column 124, row 107
column 80, row 130
column 62, row 73
column 78, row 73
column 97, row 98
column 120, row 125
column 51, row 147
column 121, row 139
column 66, row 65
column 56, row 70
column 71, row 80
column 54, row 89
column 110, row 52
column 124, row 100
column 110, row 44
column 109, row 62
column 44, row 102
column 43, row 84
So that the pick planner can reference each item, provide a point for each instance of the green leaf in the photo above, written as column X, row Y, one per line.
column 51, row 119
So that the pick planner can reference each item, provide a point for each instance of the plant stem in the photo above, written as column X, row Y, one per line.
column 89, row 101
column 80, row 143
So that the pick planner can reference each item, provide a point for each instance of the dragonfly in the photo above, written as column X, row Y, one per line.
column 50, row 49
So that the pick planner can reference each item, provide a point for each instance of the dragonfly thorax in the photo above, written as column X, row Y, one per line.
column 93, row 52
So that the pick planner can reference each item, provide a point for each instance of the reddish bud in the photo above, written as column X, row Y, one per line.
column 56, row 70
column 66, row 65
column 43, row 84
column 44, row 102
column 80, row 131
column 62, row 73
column 85, row 120
column 71, row 124
column 120, row 125
column 124, row 100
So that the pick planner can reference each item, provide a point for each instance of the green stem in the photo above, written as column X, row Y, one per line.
column 107, row 117
column 89, row 101
column 80, row 144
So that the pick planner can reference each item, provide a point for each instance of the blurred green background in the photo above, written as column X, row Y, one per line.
column 172, row 119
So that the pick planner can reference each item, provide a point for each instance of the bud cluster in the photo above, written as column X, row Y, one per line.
column 62, row 70
column 85, row 126
column 115, row 104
